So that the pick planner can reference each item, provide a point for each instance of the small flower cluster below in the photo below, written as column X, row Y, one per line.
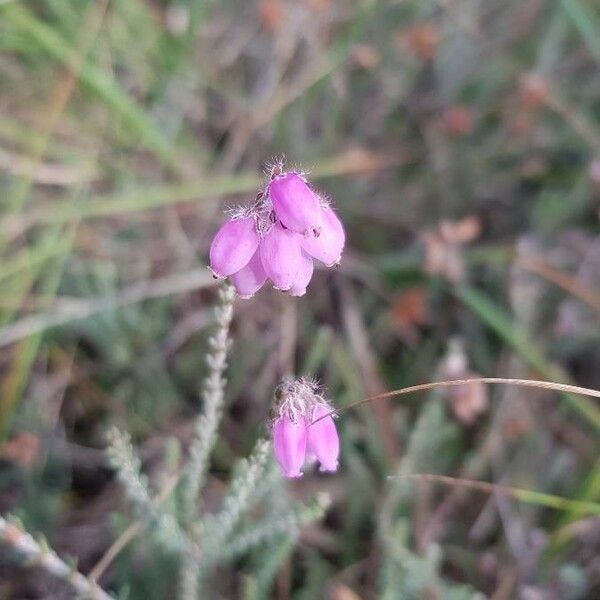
column 278, row 237
column 303, row 429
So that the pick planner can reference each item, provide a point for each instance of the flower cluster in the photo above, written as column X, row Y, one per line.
column 278, row 237
column 303, row 428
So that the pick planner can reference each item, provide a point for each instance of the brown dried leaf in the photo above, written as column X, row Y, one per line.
column 516, row 427
column 22, row 449
column 409, row 308
column 467, row 401
column 364, row 56
column 458, row 120
column 442, row 258
column 443, row 247
column 271, row 14
column 533, row 90
column 421, row 40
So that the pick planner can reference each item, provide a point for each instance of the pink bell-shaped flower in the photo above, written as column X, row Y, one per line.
column 249, row 279
column 303, row 430
column 328, row 246
column 323, row 440
column 289, row 443
column 281, row 256
column 233, row 246
column 303, row 277
column 295, row 204
column 277, row 237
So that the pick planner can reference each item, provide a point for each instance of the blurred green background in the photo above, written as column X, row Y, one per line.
column 460, row 143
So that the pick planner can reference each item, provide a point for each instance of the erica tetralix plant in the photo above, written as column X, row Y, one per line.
column 303, row 428
column 278, row 237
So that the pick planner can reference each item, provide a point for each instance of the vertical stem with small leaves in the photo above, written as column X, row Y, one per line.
column 213, row 394
column 205, row 435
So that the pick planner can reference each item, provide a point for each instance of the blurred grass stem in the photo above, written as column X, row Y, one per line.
column 528, row 496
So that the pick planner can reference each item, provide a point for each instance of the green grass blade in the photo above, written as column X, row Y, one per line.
column 527, row 496
column 26, row 350
column 586, row 24
column 95, row 80
column 200, row 189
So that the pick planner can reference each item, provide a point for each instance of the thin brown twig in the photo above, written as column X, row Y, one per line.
column 548, row 385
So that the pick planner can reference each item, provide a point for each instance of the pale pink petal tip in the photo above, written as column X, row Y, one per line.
column 328, row 247
column 233, row 246
column 295, row 204
column 297, row 293
column 323, row 440
column 303, row 276
column 281, row 257
column 289, row 444
column 248, row 280
column 332, row 468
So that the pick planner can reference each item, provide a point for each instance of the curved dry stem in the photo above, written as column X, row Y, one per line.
column 548, row 385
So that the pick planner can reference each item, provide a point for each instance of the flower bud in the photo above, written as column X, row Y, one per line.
column 303, row 277
column 233, row 246
column 249, row 279
column 295, row 204
column 289, row 443
column 328, row 246
column 281, row 256
column 323, row 440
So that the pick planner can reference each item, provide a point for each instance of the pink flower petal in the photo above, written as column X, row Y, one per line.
column 233, row 246
column 323, row 440
column 289, row 445
column 281, row 256
column 248, row 280
column 303, row 277
column 329, row 245
column 295, row 204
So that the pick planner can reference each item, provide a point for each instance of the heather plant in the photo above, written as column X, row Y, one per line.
column 369, row 392
column 200, row 541
column 301, row 431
